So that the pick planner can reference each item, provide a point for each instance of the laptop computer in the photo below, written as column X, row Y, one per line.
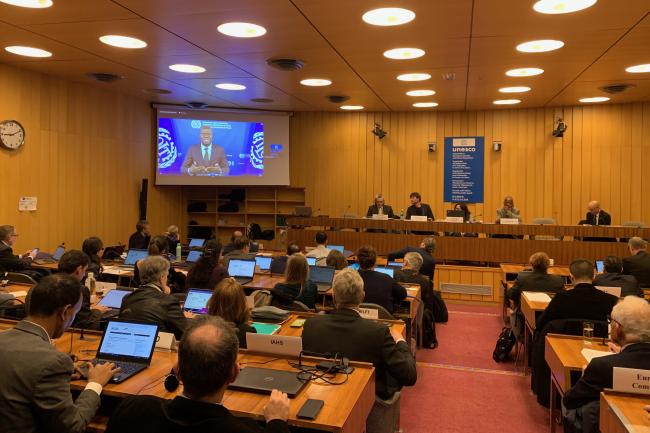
column 133, row 256
column 196, row 243
column 113, row 299
column 129, row 345
column 197, row 301
column 341, row 248
column 265, row 380
column 242, row 270
column 385, row 270
column 311, row 261
column 303, row 211
column 322, row 276
column 193, row 256
column 264, row 262
column 54, row 258
column 395, row 264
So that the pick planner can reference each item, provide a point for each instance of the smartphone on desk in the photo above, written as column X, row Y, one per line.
column 310, row 409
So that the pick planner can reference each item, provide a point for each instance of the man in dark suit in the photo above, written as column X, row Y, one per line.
column 279, row 263
column 613, row 277
column 380, row 208
column 75, row 263
column 426, row 249
column 418, row 208
column 207, row 363
column 596, row 216
column 35, row 392
column 9, row 262
column 205, row 159
column 380, row 288
column 630, row 331
column 241, row 251
column 345, row 332
column 638, row 263
column 536, row 281
column 142, row 236
column 584, row 301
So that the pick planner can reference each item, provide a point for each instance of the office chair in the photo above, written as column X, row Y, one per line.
column 17, row 277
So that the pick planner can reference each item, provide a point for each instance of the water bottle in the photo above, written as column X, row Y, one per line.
column 91, row 283
column 401, row 214
column 178, row 251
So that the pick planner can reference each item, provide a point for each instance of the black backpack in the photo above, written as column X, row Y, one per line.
column 439, row 308
column 505, row 343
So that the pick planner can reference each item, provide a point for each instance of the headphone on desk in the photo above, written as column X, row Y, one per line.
column 171, row 381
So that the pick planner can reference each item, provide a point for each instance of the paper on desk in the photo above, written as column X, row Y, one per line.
column 537, row 296
column 590, row 354
column 18, row 294
column 115, row 270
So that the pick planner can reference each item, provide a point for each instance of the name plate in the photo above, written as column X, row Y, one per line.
column 274, row 344
column 454, row 219
column 631, row 380
column 166, row 341
column 616, row 291
column 382, row 216
column 369, row 313
column 509, row 221
column 422, row 218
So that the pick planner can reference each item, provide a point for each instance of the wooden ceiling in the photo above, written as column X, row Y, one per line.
column 473, row 39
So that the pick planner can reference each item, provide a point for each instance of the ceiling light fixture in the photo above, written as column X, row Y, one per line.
column 352, row 107
column 540, row 46
column 230, row 86
column 594, row 99
column 187, row 69
column 122, row 41
column 34, row 4
column 413, row 77
column 506, row 101
column 315, row 82
column 242, row 30
column 515, row 89
column 425, row 104
column 404, row 53
column 28, row 51
column 420, row 92
column 562, row 6
column 524, row 72
column 638, row 69
column 388, row 16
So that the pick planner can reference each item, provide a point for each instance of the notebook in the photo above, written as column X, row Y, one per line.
column 197, row 301
column 265, row 380
column 196, row 243
column 242, row 270
column 134, row 255
column 264, row 262
column 322, row 276
column 266, row 328
column 113, row 299
column 388, row 271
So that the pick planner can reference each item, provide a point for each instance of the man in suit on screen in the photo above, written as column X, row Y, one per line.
column 205, row 159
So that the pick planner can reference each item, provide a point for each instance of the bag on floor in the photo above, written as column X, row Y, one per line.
column 429, row 339
column 439, row 308
column 505, row 343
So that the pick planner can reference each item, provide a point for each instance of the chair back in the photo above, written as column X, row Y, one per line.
column 17, row 277
column 384, row 416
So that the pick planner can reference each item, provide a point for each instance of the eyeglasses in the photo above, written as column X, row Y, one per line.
column 610, row 320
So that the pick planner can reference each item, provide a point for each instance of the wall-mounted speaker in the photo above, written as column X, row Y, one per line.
column 143, row 199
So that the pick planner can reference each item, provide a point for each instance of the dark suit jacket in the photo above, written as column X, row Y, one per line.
column 600, row 372
column 628, row 283
column 35, row 392
column 194, row 156
column 9, row 262
column 428, row 262
column 424, row 210
column 414, row 277
column 149, row 414
column 604, row 219
column 87, row 318
column 382, row 289
column 287, row 293
column 149, row 304
column 139, row 241
column 279, row 264
column 374, row 210
column 535, row 282
column 584, row 301
column 348, row 334
column 639, row 266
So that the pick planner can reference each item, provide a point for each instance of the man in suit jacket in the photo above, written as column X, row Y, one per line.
column 426, row 249
column 35, row 392
column 241, row 251
column 205, row 159
column 418, row 208
column 207, row 363
column 345, row 332
column 584, row 301
column 536, row 281
column 379, row 288
column 613, row 277
column 142, row 236
column 380, row 208
column 596, row 216
column 9, row 262
column 638, row 264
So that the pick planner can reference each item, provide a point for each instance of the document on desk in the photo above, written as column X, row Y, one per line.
column 537, row 296
column 590, row 354
column 116, row 270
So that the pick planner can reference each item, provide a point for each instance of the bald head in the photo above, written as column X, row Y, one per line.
column 636, row 244
column 593, row 207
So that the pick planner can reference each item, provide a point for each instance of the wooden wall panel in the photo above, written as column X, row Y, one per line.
column 604, row 155
column 86, row 151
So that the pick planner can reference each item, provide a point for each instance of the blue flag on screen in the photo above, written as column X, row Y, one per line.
column 464, row 169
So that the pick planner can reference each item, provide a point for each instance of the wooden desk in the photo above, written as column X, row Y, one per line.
column 530, row 310
column 14, row 287
column 623, row 413
column 509, row 269
column 286, row 329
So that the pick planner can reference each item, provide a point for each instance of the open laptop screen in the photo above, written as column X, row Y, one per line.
column 395, row 264
column 263, row 262
column 194, row 256
column 128, row 341
column 311, row 261
column 134, row 255
column 58, row 253
column 113, row 299
column 388, row 271
column 196, row 243
column 340, row 248
column 197, row 301
column 241, row 268
column 321, row 274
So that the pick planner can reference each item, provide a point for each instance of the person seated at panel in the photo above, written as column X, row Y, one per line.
column 241, row 251
column 613, row 277
column 9, row 262
column 296, row 286
column 345, row 332
column 536, row 280
column 337, row 260
column 584, row 301
column 207, row 363
column 467, row 217
column 228, row 301
column 173, row 238
column 93, row 248
column 206, row 273
column 279, row 263
column 205, row 159
column 418, row 208
column 630, row 333
column 426, row 248
column 35, row 395
column 75, row 264
column 508, row 210
column 158, row 247
column 321, row 251
column 596, row 216
column 142, row 236
column 410, row 273
column 152, row 302
column 379, row 288
column 638, row 263
column 380, row 208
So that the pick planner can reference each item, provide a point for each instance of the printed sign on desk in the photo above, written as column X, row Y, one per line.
column 631, row 380
column 464, row 169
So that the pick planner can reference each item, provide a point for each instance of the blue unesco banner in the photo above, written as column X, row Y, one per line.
column 464, row 169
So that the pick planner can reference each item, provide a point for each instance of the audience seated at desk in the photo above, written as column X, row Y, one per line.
column 426, row 248
column 158, row 247
column 206, row 273
column 75, row 264
column 630, row 332
column 537, row 280
column 142, row 236
column 321, row 251
column 173, row 238
column 613, row 276
column 207, row 363
column 347, row 334
column 296, row 286
column 638, row 263
column 379, row 288
column 228, row 301
column 93, row 247
column 380, row 208
column 9, row 262
column 279, row 263
column 252, row 246
column 337, row 260
column 35, row 393
column 151, row 302
column 241, row 251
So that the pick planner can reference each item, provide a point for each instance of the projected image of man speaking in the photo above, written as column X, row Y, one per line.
column 205, row 159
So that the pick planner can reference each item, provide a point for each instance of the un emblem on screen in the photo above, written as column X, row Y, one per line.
column 257, row 151
column 167, row 152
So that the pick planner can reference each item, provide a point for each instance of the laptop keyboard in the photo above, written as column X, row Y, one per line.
column 126, row 368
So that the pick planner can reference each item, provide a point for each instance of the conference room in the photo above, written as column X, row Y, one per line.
column 343, row 216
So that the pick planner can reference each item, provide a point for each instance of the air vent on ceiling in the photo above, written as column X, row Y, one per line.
column 104, row 77
column 616, row 88
column 262, row 100
column 286, row 64
column 195, row 104
column 337, row 99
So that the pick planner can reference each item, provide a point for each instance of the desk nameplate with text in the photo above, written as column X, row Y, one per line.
column 274, row 344
column 631, row 380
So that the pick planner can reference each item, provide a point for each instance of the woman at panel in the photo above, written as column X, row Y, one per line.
column 228, row 301
column 207, row 272
column 296, row 285
column 158, row 246
column 93, row 248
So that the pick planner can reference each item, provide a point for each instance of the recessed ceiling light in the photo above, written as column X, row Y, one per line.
column 122, row 41
column 514, row 89
column 242, row 30
column 638, row 69
column 188, row 69
column 388, row 16
column 35, row 4
column 352, row 107
column 420, row 92
column 595, row 99
column 425, row 104
column 316, row 82
column 230, row 86
column 524, row 72
column 413, row 77
column 28, row 51
column 506, row 101
column 540, row 46
column 404, row 53
column 562, row 6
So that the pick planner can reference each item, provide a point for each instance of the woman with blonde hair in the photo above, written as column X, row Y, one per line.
column 296, row 285
column 228, row 301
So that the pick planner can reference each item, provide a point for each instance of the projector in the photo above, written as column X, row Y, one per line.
column 378, row 131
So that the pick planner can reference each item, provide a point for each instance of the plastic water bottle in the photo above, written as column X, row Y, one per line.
column 178, row 251
column 401, row 214
column 91, row 283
